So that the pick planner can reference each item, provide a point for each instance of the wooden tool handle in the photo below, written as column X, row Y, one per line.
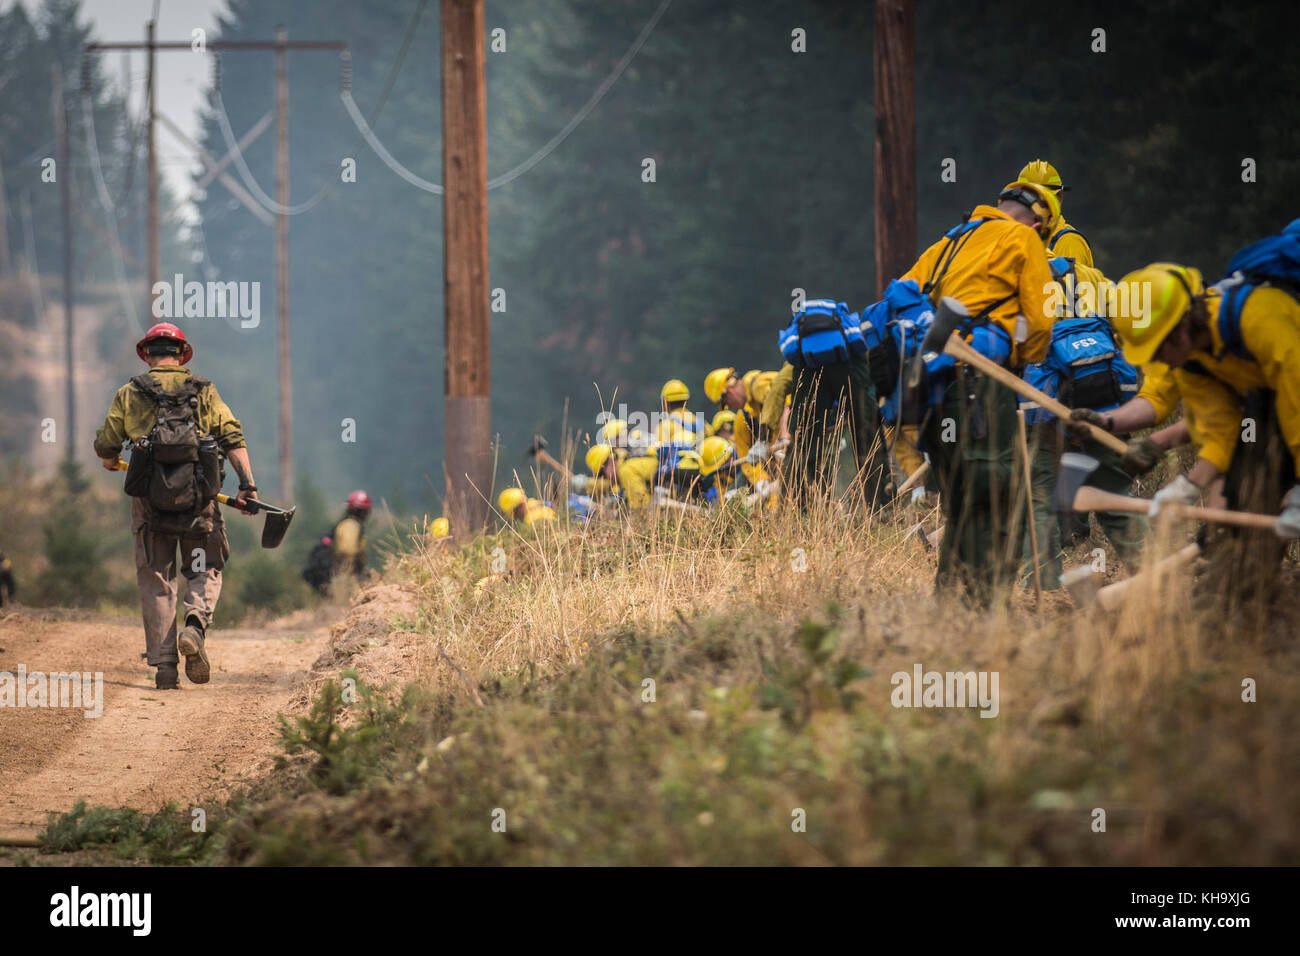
column 914, row 477
column 957, row 347
column 1112, row 594
column 1094, row 499
column 545, row 458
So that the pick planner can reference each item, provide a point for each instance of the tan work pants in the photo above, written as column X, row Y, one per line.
column 203, row 556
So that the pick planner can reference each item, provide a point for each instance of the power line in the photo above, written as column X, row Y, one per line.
column 110, row 211
column 554, row 143
column 246, row 174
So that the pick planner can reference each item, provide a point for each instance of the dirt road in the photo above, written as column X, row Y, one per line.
column 148, row 747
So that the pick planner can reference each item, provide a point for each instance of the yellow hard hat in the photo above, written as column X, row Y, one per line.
column 1042, row 172
column 510, row 499
column 1039, row 198
column 675, row 390
column 597, row 455
column 613, row 431
column 724, row 419
column 440, row 528
column 714, row 453
column 688, row 460
column 716, row 382
column 1143, row 320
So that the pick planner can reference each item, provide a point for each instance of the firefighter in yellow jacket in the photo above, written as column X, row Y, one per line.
column 744, row 396
column 995, row 264
column 1239, row 374
column 1063, row 239
column 631, row 478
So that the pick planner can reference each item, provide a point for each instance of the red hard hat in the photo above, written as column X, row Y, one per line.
column 165, row 330
column 359, row 500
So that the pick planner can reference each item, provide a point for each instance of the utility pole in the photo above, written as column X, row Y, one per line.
column 282, row 260
column 65, row 201
column 155, row 266
column 467, row 415
column 895, row 154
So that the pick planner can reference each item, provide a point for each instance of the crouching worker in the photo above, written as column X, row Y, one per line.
column 179, row 430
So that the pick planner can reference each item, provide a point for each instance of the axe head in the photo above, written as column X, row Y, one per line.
column 539, row 444
column 1074, row 471
column 1081, row 582
column 948, row 317
column 274, row 526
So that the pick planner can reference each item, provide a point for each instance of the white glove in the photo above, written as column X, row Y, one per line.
column 578, row 484
column 758, row 453
column 1288, row 522
column 767, row 487
column 1180, row 491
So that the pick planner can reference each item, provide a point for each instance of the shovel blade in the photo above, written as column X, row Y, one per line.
column 274, row 527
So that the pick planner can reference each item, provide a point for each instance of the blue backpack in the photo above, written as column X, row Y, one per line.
column 1274, row 262
column 824, row 333
column 1084, row 368
column 893, row 329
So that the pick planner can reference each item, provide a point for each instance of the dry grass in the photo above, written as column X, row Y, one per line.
column 773, row 693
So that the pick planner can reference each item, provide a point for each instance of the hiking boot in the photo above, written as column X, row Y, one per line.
column 167, row 678
column 190, row 643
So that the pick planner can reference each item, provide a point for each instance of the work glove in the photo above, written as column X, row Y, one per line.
column 578, row 484
column 1142, row 455
column 1288, row 522
column 758, row 453
column 1078, row 431
column 767, row 487
column 1179, row 491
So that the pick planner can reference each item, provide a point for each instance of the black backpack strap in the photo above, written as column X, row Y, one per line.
column 948, row 254
column 150, row 386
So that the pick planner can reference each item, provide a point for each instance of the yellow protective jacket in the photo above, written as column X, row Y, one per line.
column 636, row 478
column 778, row 394
column 1213, row 383
column 750, row 417
column 537, row 513
column 1001, row 258
column 131, row 415
column 1063, row 242
column 348, row 542
column 1160, row 388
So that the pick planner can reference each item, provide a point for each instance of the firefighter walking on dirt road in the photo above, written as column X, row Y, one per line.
column 179, row 431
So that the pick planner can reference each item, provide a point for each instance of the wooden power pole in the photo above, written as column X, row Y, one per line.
column 155, row 266
column 895, row 169
column 64, row 172
column 467, row 417
column 282, row 261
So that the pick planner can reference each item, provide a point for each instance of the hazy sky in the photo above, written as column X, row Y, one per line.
column 183, row 77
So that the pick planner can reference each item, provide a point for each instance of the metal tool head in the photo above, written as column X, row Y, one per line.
column 1081, row 582
column 539, row 444
column 1074, row 471
column 274, row 527
column 948, row 318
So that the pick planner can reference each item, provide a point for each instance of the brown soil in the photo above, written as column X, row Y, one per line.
column 149, row 747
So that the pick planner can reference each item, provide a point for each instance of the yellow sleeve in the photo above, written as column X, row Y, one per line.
column 774, row 403
column 111, row 434
column 1076, row 247
column 1033, row 286
column 1160, row 388
column 1270, row 328
column 634, row 480
column 1213, row 416
column 220, row 422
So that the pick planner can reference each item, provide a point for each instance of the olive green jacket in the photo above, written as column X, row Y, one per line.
column 131, row 416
